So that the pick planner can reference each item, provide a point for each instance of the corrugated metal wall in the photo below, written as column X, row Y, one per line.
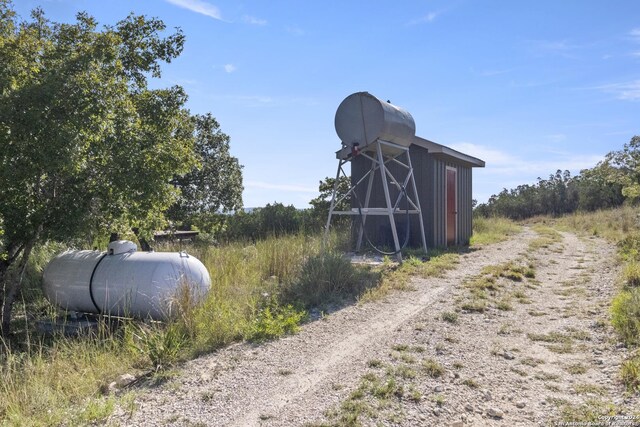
column 430, row 176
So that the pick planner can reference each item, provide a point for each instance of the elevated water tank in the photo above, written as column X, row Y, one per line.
column 123, row 282
column 362, row 118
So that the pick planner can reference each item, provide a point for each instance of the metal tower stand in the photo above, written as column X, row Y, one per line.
column 381, row 153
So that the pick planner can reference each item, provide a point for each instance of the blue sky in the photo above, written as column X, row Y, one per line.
column 527, row 86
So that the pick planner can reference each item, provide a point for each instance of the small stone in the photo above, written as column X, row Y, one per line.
column 124, row 380
column 495, row 413
column 487, row 395
column 520, row 404
column 456, row 424
column 468, row 407
column 438, row 389
column 437, row 412
column 112, row 388
column 508, row 356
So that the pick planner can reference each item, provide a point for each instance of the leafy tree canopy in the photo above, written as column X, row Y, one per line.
column 86, row 147
column 215, row 185
column 623, row 168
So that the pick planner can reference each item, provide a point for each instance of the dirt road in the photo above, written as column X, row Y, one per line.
column 541, row 350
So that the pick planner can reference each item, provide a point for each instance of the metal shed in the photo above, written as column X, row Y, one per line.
column 443, row 179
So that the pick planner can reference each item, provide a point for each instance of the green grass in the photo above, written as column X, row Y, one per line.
column 54, row 385
column 449, row 316
column 258, row 291
column 547, row 236
column 398, row 277
column 615, row 225
column 625, row 315
column 492, row 230
column 432, row 368
column 495, row 286
column 631, row 275
column 630, row 373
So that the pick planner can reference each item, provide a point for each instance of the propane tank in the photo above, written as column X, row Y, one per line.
column 122, row 281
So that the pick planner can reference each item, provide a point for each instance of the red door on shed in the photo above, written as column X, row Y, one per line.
column 451, row 207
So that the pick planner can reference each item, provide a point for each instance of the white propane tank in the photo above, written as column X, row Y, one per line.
column 123, row 282
column 362, row 118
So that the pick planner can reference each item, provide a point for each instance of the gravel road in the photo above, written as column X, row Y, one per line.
column 549, row 349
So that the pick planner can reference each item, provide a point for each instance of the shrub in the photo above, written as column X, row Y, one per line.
column 625, row 315
column 274, row 321
column 631, row 274
column 449, row 316
column 630, row 373
column 326, row 277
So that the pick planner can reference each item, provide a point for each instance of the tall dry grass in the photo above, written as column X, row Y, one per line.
column 257, row 291
column 492, row 230
column 622, row 227
column 46, row 381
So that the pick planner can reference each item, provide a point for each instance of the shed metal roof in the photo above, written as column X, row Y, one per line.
column 438, row 150
column 446, row 153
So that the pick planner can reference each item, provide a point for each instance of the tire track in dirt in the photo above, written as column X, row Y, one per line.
column 293, row 380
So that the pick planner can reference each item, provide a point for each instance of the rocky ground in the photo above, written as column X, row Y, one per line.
column 542, row 351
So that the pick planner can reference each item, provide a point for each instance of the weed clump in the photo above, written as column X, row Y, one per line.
column 625, row 315
column 630, row 373
column 327, row 277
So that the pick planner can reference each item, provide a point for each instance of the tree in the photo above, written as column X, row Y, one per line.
column 623, row 168
column 214, row 185
column 84, row 144
column 595, row 190
column 322, row 203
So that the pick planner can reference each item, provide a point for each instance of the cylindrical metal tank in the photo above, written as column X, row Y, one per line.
column 362, row 118
column 123, row 282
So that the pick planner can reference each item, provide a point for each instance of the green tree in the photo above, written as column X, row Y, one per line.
column 213, row 186
column 322, row 203
column 595, row 190
column 623, row 168
column 84, row 144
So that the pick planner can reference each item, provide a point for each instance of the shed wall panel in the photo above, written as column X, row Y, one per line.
column 430, row 177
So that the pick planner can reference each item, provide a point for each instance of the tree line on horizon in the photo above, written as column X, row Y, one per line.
column 613, row 181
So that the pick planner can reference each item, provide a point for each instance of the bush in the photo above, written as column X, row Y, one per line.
column 326, row 277
column 629, row 247
column 630, row 373
column 625, row 315
column 631, row 275
column 274, row 321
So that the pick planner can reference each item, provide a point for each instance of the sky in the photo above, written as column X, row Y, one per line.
column 527, row 86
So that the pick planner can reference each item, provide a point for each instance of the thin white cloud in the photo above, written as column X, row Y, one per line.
column 627, row 91
column 229, row 68
column 426, row 19
column 563, row 48
column 295, row 30
column 500, row 163
column 491, row 73
column 557, row 137
column 198, row 6
column 489, row 155
column 253, row 20
column 635, row 33
column 280, row 187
